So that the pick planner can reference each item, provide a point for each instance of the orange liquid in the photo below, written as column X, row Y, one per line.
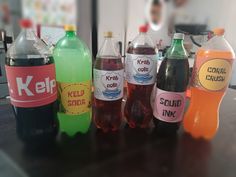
column 202, row 117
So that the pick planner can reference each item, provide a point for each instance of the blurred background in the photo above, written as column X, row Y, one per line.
column 196, row 18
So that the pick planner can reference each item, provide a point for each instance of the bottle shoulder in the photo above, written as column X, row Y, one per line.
column 69, row 42
column 108, row 63
column 141, row 50
column 173, row 75
column 70, row 47
column 143, row 40
column 23, row 47
column 217, row 44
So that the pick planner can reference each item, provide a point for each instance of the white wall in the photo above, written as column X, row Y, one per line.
column 219, row 13
column 83, row 17
column 135, row 17
column 111, row 16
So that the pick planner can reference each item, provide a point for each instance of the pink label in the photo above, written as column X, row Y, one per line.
column 32, row 86
column 169, row 106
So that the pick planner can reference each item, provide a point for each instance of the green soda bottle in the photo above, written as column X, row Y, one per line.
column 74, row 76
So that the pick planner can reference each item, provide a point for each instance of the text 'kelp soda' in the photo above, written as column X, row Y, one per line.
column 74, row 76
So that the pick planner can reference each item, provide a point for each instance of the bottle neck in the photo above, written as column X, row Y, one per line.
column 70, row 33
column 108, row 49
column 177, row 50
column 179, row 42
column 27, row 30
column 142, row 33
column 108, row 42
column 28, row 33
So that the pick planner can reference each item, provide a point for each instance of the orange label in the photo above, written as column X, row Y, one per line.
column 214, row 74
column 75, row 98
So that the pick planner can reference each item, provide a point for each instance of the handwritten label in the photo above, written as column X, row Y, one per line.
column 108, row 85
column 169, row 106
column 75, row 98
column 141, row 69
column 214, row 74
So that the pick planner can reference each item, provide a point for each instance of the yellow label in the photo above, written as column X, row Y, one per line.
column 75, row 98
column 214, row 74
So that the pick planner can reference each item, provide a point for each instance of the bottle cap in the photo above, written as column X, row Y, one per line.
column 108, row 34
column 26, row 23
column 179, row 36
column 69, row 28
column 143, row 29
column 219, row 31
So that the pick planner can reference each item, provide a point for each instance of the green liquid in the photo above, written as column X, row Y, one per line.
column 73, row 65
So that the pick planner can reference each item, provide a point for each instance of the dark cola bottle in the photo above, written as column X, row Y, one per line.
column 31, row 80
column 108, row 86
column 172, row 82
column 140, row 70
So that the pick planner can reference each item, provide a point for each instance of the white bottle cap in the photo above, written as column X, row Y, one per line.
column 179, row 36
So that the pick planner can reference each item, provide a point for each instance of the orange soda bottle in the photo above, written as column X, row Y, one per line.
column 210, row 79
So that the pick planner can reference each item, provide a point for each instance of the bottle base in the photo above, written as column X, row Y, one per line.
column 134, row 125
column 107, row 130
column 73, row 124
column 199, row 136
column 166, row 128
column 39, row 140
column 108, row 126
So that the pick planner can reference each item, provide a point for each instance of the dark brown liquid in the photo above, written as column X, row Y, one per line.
column 36, row 125
column 138, row 110
column 107, row 115
column 173, row 76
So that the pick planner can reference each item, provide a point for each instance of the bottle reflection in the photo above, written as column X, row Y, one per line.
column 192, row 157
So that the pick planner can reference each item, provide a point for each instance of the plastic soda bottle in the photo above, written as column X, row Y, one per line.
column 73, row 74
column 31, row 79
column 172, row 82
column 140, row 70
column 108, row 86
column 211, row 75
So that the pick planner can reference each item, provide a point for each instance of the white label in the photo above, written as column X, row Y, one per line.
column 141, row 69
column 108, row 85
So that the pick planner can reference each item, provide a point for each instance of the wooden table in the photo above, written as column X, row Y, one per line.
column 128, row 153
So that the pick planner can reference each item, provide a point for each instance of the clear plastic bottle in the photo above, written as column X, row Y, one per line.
column 108, row 86
column 74, row 76
column 210, row 79
column 140, row 70
column 32, row 86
